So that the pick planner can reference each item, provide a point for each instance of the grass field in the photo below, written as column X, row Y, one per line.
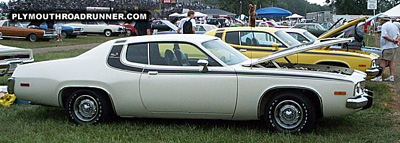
column 82, row 39
column 33, row 123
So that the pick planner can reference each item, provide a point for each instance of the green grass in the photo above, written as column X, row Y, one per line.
column 82, row 39
column 33, row 123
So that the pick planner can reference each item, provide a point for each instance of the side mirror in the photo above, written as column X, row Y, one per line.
column 204, row 64
column 275, row 45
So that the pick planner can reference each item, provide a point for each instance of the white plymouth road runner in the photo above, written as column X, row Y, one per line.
column 191, row 76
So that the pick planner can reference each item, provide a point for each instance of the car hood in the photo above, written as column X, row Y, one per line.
column 170, row 25
column 359, row 21
column 299, row 49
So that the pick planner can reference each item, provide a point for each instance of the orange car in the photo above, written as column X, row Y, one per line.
column 14, row 29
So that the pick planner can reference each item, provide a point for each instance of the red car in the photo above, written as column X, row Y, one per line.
column 130, row 30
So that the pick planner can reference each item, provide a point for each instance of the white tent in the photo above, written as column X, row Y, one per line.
column 294, row 16
column 394, row 12
column 196, row 14
column 174, row 15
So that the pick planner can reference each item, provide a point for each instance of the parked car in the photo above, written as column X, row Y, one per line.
column 269, row 40
column 13, row 29
column 205, row 27
column 326, row 25
column 301, row 35
column 219, row 22
column 130, row 30
column 66, row 31
column 98, row 27
column 191, row 76
column 163, row 25
column 313, row 28
column 173, row 29
column 11, row 57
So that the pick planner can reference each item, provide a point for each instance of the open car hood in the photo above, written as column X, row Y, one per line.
column 170, row 25
column 299, row 49
column 346, row 25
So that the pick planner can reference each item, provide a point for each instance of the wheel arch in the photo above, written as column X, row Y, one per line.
column 68, row 90
column 310, row 93
column 334, row 63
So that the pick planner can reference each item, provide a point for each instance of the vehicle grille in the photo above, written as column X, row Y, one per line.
column 49, row 32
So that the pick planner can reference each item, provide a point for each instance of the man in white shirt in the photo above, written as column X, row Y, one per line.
column 389, row 44
column 184, row 25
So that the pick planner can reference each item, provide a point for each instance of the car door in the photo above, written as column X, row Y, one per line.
column 4, row 29
column 174, row 83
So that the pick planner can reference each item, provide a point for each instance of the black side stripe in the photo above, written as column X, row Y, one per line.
column 114, row 61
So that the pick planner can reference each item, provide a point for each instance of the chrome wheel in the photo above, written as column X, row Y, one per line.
column 288, row 114
column 108, row 33
column 32, row 37
column 86, row 108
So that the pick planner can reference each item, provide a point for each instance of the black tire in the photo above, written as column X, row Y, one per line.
column 108, row 33
column 64, row 35
column 73, row 36
column 88, row 107
column 280, row 113
column 128, row 32
column 32, row 37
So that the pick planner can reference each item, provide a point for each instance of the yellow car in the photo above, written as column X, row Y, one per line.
column 260, row 42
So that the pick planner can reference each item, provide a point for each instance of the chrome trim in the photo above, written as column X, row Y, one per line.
column 372, row 72
column 356, row 103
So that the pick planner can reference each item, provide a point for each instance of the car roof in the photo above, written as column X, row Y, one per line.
column 293, row 30
column 268, row 29
column 191, row 38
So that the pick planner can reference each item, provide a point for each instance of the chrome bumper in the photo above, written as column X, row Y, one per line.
column 373, row 71
column 363, row 101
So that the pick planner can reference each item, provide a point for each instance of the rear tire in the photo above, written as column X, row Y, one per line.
column 88, row 107
column 107, row 33
column 64, row 35
column 290, row 112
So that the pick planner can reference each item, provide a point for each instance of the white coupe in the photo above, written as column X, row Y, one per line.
column 191, row 76
column 98, row 27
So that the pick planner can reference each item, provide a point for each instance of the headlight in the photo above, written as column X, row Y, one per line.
column 373, row 63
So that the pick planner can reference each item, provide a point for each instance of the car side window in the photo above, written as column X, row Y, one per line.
column 246, row 38
column 219, row 35
column 232, row 38
column 137, row 53
column 92, row 23
column 265, row 39
column 311, row 27
column 83, row 22
column 177, row 54
column 200, row 28
column 5, row 23
column 299, row 37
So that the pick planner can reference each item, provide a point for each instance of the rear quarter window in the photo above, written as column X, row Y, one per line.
column 232, row 38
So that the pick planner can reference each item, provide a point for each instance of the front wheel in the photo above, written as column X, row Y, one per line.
column 88, row 107
column 32, row 37
column 290, row 112
column 128, row 33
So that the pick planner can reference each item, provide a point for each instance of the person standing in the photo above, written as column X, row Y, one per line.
column 389, row 43
column 188, row 24
column 143, row 27
column 58, row 28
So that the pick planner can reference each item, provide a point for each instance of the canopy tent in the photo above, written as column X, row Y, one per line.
column 294, row 16
column 213, row 12
column 273, row 12
column 174, row 15
column 394, row 12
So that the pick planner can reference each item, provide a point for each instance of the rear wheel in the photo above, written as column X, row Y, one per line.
column 107, row 33
column 88, row 107
column 290, row 112
column 32, row 37
column 63, row 35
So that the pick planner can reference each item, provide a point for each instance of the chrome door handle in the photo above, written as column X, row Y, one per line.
column 153, row 72
column 243, row 50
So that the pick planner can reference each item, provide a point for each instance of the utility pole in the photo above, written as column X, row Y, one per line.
column 241, row 6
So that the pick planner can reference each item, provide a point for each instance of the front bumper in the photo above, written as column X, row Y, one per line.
column 373, row 71
column 49, row 36
column 362, row 101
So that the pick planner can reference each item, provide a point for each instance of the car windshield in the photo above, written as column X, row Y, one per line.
column 320, row 27
column 224, row 52
column 310, row 36
column 287, row 38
